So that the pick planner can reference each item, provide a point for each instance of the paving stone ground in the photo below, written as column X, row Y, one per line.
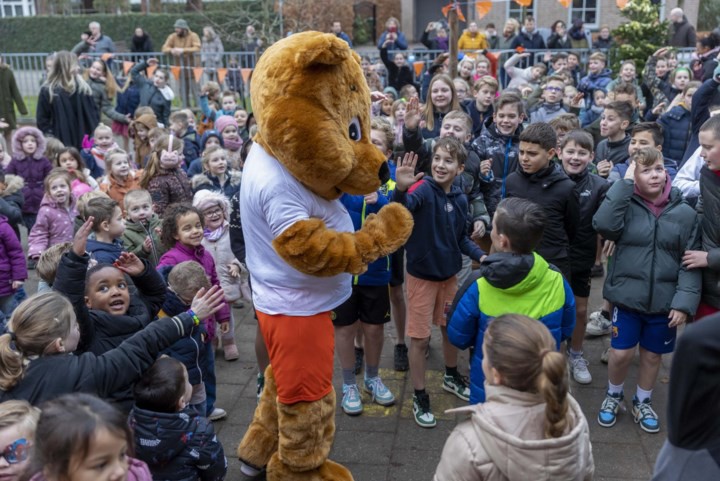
column 385, row 444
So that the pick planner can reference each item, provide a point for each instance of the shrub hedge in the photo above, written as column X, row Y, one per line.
column 49, row 34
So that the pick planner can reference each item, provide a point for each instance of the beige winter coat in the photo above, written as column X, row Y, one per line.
column 504, row 440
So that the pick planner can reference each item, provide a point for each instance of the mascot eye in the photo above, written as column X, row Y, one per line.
column 354, row 131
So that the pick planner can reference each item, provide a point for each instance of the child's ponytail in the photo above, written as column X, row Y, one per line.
column 553, row 385
column 11, row 361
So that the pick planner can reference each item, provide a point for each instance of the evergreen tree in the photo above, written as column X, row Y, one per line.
column 642, row 35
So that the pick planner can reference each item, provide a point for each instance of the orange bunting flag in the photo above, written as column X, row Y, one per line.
column 222, row 72
column 197, row 73
column 523, row 3
column 176, row 72
column 482, row 8
column 622, row 4
column 151, row 70
column 446, row 9
column 246, row 74
column 106, row 56
column 418, row 66
column 127, row 66
column 565, row 3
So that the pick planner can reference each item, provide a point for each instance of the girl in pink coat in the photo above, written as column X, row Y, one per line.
column 56, row 217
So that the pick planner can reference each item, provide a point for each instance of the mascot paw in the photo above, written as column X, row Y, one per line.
column 328, row 471
column 385, row 232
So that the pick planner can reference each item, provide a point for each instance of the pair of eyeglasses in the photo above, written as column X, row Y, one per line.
column 17, row 452
column 553, row 89
column 212, row 213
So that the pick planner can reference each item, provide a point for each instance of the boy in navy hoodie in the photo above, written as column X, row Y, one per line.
column 434, row 250
column 108, row 227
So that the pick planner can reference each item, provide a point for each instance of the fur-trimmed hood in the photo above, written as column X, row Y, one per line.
column 234, row 177
column 23, row 132
column 13, row 185
column 206, row 198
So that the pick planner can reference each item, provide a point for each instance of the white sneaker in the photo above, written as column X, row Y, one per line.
column 598, row 325
column 217, row 414
column 579, row 369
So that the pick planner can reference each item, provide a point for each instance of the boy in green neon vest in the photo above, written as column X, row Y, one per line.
column 512, row 279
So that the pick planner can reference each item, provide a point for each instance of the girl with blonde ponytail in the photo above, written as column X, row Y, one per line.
column 530, row 427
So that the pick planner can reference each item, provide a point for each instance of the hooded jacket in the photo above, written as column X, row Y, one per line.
column 709, row 212
column 677, row 129
column 195, row 167
column 594, row 81
column 52, row 375
column 105, row 252
column 150, row 95
column 207, row 181
column 54, row 225
column 646, row 274
column 178, row 446
column 134, row 237
column 616, row 152
column 620, row 169
column 33, row 170
column 440, row 233
column 590, row 190
column 504, row 441
column 503, row 151
column 12, row 259
column 525, row 282
column 553, row 190
column 137, row 471
column 117, row 189
column 12, row 200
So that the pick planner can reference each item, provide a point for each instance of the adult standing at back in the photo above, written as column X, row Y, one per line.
column 250, row 45
column 9, row 98
column 392, row 32
column 182, row 45
column 338, row 32
column 140, row 43
column 472, row 39
column 510, row 33
column 96, row 42
column 682, row 33
column 66, row 109
column 529, row 38
column 212, row 52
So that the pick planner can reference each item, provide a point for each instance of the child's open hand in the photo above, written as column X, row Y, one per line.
column 147, row 245
column 630, row 174
column 130, row 264
column 604, row 167
column 207, row 303
column 412, row 114
column 81, row 236
column 405, row 173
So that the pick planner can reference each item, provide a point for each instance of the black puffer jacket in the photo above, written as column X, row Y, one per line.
column 645, row 274
column 590, row 190
column 178, row 446
column 48, row 377
column 709, row 210
column 553, row 190
column 398, row 77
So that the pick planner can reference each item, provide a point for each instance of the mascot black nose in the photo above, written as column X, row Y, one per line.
column 384, row 173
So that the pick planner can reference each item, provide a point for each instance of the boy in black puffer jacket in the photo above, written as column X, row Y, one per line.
column 176, row 443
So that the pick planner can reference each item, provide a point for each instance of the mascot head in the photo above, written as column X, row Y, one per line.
column 312, row 106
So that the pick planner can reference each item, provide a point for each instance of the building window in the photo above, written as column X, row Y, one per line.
column 587, row 10
column 15, row 8
column 516, row 11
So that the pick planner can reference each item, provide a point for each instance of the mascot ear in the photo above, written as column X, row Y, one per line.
column 323, row 50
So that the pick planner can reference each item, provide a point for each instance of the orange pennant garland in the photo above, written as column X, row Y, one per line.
column 482, row 9
column 197, row 73
column 418, row 66
column 622, row 4
column 176, row 72
column 446, row 10
column 127, row 66
column 222, row 72
column 246, row 74
column 565, row 3
column 106, row 56
column 524, row 3
column 151, row 70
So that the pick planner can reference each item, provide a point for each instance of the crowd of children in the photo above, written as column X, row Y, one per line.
column 530, row 183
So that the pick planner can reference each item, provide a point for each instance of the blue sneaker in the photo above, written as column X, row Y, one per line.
column 352, row 401
column 645, row 415
column 379, row 392
column 607, row 417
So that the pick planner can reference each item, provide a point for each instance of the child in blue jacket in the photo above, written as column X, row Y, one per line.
column 511, row 279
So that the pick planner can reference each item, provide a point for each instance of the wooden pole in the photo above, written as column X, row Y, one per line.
column 454, row 37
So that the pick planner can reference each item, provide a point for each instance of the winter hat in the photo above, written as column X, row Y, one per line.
column 222, row 122
column 205, row 199
column 392, row 91
column 180, row 23
column 211, row 133
column 23, row 132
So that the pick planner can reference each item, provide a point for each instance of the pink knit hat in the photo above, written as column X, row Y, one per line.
column 222, row 122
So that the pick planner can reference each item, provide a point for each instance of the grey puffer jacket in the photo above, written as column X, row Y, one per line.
column 709, row 210
column 645, row 274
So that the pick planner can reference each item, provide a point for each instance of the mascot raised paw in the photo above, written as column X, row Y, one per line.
column 312, row 106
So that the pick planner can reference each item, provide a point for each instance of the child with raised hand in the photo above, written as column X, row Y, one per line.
column 120, row 178
column 57, row 214
column 163, row 177
column 530, row 423
column 598, row 77
column 646, row 282
column 81, row 437
column 183, row 234
column 644, row 134
column 215, row 208
column 142, row 227
column 169, row 435
column 217, row 176
column 38, row 359
column 28, row 162
column 18, row 420
column 228, row 103
column 103, row 142
column 69, row 158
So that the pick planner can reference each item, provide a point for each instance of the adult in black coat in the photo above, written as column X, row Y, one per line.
column 399, row 72
column 559, row 39
column 140, row 43
column 530, row 39
column 66, row 110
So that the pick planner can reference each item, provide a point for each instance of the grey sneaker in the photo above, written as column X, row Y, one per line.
column 217, row 414
column 579, row 369
column 598, row 325
column 605, row 356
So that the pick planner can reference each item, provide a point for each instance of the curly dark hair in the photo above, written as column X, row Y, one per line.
column 170, row 221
